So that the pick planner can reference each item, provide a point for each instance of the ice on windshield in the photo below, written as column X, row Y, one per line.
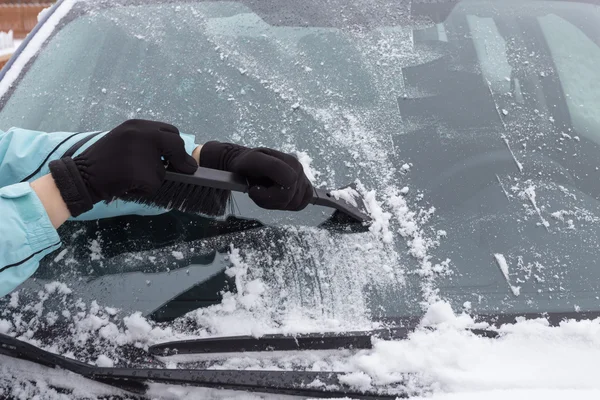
column 468, row 135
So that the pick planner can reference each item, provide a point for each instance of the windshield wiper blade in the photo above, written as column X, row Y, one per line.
column 136, row 380
column 311, row 341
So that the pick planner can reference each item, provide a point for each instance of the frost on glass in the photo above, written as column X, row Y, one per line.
column 481, row 179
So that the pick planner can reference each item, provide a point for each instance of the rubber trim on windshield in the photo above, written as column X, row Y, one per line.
column 48, row 157
column 28, row 258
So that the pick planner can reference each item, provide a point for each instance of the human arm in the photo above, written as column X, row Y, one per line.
column 100, row 172
column 31, row 213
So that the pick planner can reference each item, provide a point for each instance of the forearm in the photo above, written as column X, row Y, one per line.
column 26, row 235
column 53, row 203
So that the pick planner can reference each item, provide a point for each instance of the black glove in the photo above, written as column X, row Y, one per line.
column 126, row 161
column 277, row 180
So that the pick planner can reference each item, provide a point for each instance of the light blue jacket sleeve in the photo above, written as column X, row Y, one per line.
column 26, row 233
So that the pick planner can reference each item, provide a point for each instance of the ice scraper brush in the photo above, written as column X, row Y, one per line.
column 206, row 191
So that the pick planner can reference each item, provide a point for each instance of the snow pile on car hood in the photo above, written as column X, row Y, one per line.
column 530, row 358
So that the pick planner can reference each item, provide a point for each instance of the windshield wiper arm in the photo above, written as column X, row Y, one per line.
column 312, row 341
column 136, row 380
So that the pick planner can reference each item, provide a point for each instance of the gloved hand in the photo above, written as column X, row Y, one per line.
column 127, row 160
column 277, row 180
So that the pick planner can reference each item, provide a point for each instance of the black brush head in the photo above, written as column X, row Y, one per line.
column 186, row 198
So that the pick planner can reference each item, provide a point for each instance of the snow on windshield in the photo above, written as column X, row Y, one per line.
column 34, row 45
column 361, row 93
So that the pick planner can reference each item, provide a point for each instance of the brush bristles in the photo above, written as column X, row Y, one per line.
column 187, row 198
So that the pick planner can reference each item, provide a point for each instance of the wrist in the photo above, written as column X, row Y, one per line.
column 48, row 193
column 71, row 186
column 196, row 153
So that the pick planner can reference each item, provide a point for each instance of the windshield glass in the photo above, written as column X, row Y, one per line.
column 473, row 128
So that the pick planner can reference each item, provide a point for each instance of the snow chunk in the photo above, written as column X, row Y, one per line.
column 104, row 361
column 438, row 313
column 140, row 331
column 61, row 255
column 138, row 327
column 14, row 300
column 43, row 13
column 529, row 194
column 306, row 162
column 349, row 195
column 109, row 332
column 5, row 326
column 381, row 219
column 111, row 310
column 57, row 287
column 95, row 250
column 358, row 380
column 177, row 254
column 501, row 260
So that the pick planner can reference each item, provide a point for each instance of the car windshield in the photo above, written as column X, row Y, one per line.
column 472, row 127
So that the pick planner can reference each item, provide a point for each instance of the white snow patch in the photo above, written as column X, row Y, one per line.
column 456, row 361
column 519, row 165
column 177, row 254
column 43, row 13
column 349, row 195
column 111, row 310
column 61, row 255
column 5, row 326
column 529, row 193
column 57, row 287
column 358, row 380
column 104, row 361
column 95, row 250
column 306, row 161
column 14, row 300
column 138, row 327
column 34, row 45
column 501, row 260
column 380, row 224
column 440, row 313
